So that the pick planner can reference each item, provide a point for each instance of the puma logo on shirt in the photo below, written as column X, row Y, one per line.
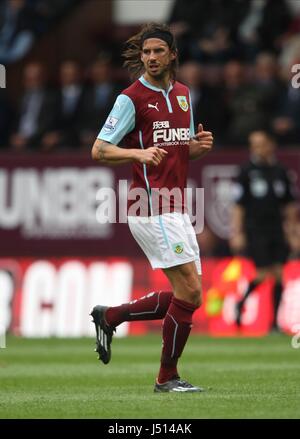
column 153, row 106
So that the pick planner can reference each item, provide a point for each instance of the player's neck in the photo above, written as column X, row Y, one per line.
column 163, row 82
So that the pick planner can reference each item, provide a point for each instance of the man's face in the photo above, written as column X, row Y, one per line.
column 101, row 72
column 69, row 73
column 261, row 145
column 156, row 57
column 33, row 76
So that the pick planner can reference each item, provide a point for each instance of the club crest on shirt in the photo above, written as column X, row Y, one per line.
column 178, row 247
column 183, row 103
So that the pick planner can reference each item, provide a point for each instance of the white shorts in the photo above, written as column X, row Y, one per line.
column 167, row 240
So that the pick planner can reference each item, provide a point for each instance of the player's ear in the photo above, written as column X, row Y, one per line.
column 173, row 55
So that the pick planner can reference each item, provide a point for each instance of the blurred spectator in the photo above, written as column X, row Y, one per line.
column 268, row 84
column 98, row 100
column 248, row 104
column 36, row 114
column 16, row 35
column 266, row 69
column 183, row 21
column 218, row 30
column 22, row 21
column 263, row 26
column 294, row 28
column 286, row 124
column 206, row 29
column 214, row 46
column 68, row 109
column 290, row 51
column 48, row 11
column 205, row 99
column 290, row 44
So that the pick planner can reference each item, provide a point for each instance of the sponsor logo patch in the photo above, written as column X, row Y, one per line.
column 110, row 124
column 161, row 124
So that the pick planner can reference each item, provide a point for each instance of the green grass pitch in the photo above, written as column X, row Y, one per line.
column 61, row 378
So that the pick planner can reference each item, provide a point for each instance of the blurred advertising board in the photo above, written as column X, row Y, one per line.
column 54, row 296
column 48, row 203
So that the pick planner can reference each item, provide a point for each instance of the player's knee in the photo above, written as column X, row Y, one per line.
column 199, row 302
column 198, row 299
column 195, row 296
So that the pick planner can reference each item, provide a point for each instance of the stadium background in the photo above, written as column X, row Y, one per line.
column 56, row 260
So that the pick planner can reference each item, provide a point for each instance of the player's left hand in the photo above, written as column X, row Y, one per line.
column 201, row 143
column 203, row 137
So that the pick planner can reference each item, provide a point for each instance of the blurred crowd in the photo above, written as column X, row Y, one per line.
column 236, row 56
column 23, row 21
column 67, row 114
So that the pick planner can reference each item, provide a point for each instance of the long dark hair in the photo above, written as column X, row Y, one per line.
column 134, row 46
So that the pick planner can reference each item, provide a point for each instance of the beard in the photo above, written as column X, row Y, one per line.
column 160, row 73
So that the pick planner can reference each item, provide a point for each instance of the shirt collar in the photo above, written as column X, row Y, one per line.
column 152, row 87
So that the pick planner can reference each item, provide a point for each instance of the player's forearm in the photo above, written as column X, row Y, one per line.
column 108, row 153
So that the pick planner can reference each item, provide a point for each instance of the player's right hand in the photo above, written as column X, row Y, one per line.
column 151, row 156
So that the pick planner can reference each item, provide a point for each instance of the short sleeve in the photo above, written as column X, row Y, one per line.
column 120, row 121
